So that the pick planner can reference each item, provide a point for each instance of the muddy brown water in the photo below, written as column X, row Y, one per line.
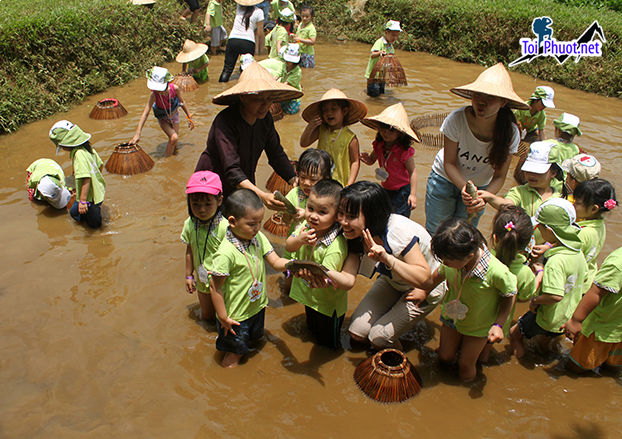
column 99, row 339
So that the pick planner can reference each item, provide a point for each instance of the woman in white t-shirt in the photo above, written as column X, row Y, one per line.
column 246, row 36
column 479, row 142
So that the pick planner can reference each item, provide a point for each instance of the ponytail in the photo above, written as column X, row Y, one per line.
column 246, row 18
column 513, row 229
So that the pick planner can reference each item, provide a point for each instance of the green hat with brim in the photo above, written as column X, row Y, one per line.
column 568, row 123
column 64, row 133
column 287, row 15
column 559, row 215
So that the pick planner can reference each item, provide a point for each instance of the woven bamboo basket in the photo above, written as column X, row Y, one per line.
column 276, row 183
column 427, row 129
column 128, row 159
column 388, row 376
column 108, row 109
column 389, row 71
column 185, row 82
column 276, row 111
column 276, row 225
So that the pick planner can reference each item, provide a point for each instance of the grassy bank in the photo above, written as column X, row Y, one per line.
column 54, row 53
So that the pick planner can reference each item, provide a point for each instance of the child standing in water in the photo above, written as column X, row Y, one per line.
column 306, row 36
column 202, row 233
column 395, row 155
column 328, row 121
column 581, row 167
column 480, row 296
column 533, row 120
column 382, row 46
column 87, row 167
column 214, row 27
column 165, row 100
column 319, row 239
column 239, row 276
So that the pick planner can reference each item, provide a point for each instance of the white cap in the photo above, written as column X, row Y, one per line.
column 393, row 25
column 56, row 195
column 246, row 60
column 539, row 158
column 291, row 53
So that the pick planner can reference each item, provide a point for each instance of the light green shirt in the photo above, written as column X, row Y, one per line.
column 214, row 14
column 380, row 45
column 606, row 319
column 529, row 199
column 277, row 7
column 592, row 235
column 42, row 167
column 529, row 122
column 201, row 76
column 565, row 274
column 233, row 263
column 337, row 144
column 278, row 33
column 306, row 33
column 525, row 283
column 87, row 165
column 276, row 67
column 565, row 151
column 331, row 253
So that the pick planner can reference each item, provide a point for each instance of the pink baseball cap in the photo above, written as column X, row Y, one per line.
column 205, row 182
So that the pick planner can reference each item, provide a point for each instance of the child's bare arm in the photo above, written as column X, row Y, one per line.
column 83, row 207
column 218, row 300
column 344, row 279
column 355, row 163
column 368, row 159
column 495, row 334
column 412, row 171
column 276, row 262
column 377, row 53
column 590, row 301
column 185, row 108
column 143, row 119
column 190, row 284
column 305, row 237
column 311, row 132
column 543, row 299
column 493, row 200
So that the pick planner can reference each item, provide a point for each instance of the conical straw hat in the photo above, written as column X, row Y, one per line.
column 357, row 110
column 248, row 2
column 253, row 80
column 191, row 51
column 395, row 117
column 494, row 81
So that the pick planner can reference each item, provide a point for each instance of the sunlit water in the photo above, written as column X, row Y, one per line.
column 99, row 339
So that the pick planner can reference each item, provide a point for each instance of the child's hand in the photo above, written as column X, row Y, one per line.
column 315, row 122
column 533, row 306
column 228, row 325
column 190, row 286
column 416, row 295
column 83, row 208
column 366, row 159
column 376, row 251
column 495, row 334
column 190, row 123
column 412, row 201
column 572, row 329
column 300, row 215
column 208, row 28
column 307, row 237
column 539, row 250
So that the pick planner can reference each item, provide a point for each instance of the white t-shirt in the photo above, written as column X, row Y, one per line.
column 239, row 31
column 473, row 160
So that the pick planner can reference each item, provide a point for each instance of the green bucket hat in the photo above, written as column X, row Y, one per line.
column 545, row 94
column 287, row 15
column 568, row 123
column 559, row 215
column 64, row 133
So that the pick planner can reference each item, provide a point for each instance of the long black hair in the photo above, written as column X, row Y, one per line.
column 502, row 137
column 246, row 18
column 370, row 199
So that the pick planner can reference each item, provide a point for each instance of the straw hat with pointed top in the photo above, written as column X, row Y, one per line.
column 356, row 112
column 254, row 80
column 191, row 51
column 248, row 2
column 494, row 81
column 395, row 117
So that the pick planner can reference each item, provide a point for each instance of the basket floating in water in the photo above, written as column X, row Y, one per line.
column 108, row 109
column 185, row 82
column 388, row 376
column 389, row 71
column 128, row 159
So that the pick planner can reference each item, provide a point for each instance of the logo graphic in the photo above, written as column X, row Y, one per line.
column 546, row 45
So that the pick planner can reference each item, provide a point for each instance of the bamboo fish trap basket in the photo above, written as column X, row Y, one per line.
column 427, row 129
column 276, row 111
column 389, row 71
column 185, row 82
column 276, row 183
column 276, row 225
column 108, row 109
column 388, row 376
column 128, row 159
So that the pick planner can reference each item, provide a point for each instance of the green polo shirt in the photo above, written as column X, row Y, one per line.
column 606, row 319
column 592, row 235
column 201, row 76
column 525, row 283
column 87, row 165
column 229, row 261
column 276, row 67
column 214, row 11
column 278, row 33
column 306, row 33
column 565, row 274
column 42, row 167
column 277, row 7
column 529, row 122
column 529, row 199
column 565, row 151
column 380, row 45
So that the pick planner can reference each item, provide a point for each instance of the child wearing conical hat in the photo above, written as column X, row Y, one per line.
column 328, row 121
column 194, row 60
column 393, row 150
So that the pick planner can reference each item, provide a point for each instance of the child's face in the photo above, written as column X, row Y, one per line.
column 333, row 114
column 247, row 226
column 458, row 264
column 389, row 135
column 391, row 35
column 353, row 226
column 204, row 206
column 539, row 181
column 538, row 105
column 306, row 180
column 486, row 106
column 290, row 65
column 305, row 16
column 584, row 211
column 321, row 213
column 546, row 233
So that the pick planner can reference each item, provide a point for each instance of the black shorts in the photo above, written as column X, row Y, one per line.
column 529, row 328
column 193, row 4
column 327, row 330
column 249, row 330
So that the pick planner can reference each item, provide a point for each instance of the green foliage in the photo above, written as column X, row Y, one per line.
column 614, row 5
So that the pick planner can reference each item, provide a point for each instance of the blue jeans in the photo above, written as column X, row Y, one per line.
column 443, row 200
column 248, row 331
column 399, row 199
column 93, row 216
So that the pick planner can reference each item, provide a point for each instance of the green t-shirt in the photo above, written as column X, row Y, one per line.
column 87, row 165
column 565, row 274
column 293, row 77
column 331, row 252
column 276, row 67
column 565, row 151
column 529, row 122
column 380, row 45
column 592, row 235
column 214, row 14
column 278, row 33
column 42, row 167
column 231, row 262
column 201, row 76
column 606, row 319
column 529, row 199
column 277, row 7
column 306, row 33
column 204, row 239
column 480, row 293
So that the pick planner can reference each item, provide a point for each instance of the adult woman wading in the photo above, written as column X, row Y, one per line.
column 479, row 142
column 246, row 36
column 243, row 130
